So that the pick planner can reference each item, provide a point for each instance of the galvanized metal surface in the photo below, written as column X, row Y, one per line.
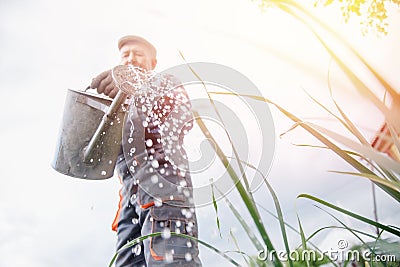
column 83, row 113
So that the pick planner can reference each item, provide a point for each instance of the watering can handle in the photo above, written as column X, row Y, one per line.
column 90, row 151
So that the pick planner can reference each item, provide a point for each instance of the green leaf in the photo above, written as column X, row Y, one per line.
column 248, row 201
column 374, row 178
column 140, row 239
column 215, row 208
column 351, row 214
column 303, row 239
column 340, row 152
column 278, row 210
column 245, row 226
column 365, row 150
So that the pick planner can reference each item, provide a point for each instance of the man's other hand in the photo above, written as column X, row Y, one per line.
column 104, row 84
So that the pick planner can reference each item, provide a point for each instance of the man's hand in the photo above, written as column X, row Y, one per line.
column 104, row 84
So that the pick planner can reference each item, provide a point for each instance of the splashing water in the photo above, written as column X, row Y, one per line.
column 157, row 202
column 137, row 250
column 168, row 258
column 188, row 256
column 166, row 233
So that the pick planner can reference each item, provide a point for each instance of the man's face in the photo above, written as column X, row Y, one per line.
column 138, row 55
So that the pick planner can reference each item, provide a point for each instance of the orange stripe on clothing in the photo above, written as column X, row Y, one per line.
column 114, row 225
column 147, row 205
column 155, row 256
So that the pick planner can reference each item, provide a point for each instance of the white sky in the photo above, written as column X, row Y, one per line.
column 47, row 219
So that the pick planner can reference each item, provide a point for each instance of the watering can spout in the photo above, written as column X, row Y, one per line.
column 107, row 121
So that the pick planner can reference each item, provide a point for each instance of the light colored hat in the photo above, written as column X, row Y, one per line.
column 138, row 39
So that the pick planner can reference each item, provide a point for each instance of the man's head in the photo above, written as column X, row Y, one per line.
column 138, row 52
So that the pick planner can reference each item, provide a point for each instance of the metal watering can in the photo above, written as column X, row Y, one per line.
column 91, row 131
column 90, row 135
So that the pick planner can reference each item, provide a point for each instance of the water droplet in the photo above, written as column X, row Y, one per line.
column 155, row 164
column 188, row 256
column 91, row 160
column 182, row 183
column 135, row 220
column 178, row 223
column 154, row 179
column 103, row 173
column 168, row 258
column 166, row 233
column 149, row 142
column 186, row 193
column 130, row 140
column 158, row 202
column 160, row 185
column 137, row 250
column 133, row 199
column 145, row 123
column 133, row 150
column 188, row 214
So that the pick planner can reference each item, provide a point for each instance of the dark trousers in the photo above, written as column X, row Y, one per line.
column 165, row 250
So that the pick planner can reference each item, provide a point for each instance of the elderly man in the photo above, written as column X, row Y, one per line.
column 156, row 195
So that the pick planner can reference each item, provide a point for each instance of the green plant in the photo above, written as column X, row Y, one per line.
column 369, row 163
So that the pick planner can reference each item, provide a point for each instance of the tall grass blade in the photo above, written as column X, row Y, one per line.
column 350, row 160
column 215, row 205
column 359, row 85
column 351, row 214
column 245, row 226
column 337, row 227
column 330, row 30
column 238, row 247
column 278, row 210
column 344, row 225
column 395, row 138
column 303, row 239
column 140, row 239
column 345, row 121
column 365, row 150
column 248, row 201
column 349, row 124
column 298, row 232
column 378, row 180
column 242, row 172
